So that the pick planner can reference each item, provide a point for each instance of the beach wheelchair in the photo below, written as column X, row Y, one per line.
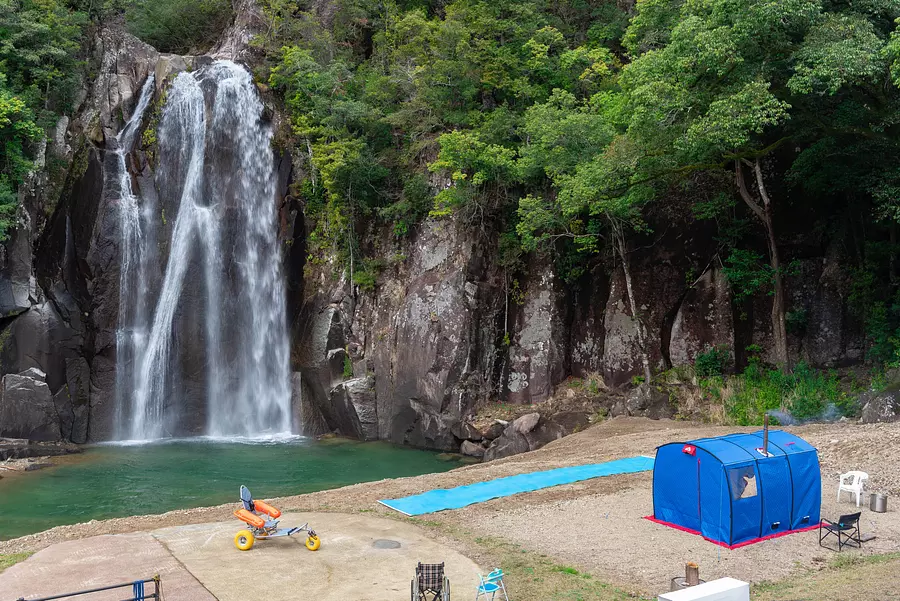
column 430, row 581
column 262, row 528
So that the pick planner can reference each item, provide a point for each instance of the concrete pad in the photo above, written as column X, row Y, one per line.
column 100, row 561
column 349, row 565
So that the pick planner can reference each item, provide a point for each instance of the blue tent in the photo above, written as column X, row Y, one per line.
column 733, row 494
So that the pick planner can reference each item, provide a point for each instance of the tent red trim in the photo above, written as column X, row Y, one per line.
column 726, row 545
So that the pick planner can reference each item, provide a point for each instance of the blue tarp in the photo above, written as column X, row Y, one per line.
column 461, row 496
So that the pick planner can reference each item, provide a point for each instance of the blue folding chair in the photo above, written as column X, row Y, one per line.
column 490, row 584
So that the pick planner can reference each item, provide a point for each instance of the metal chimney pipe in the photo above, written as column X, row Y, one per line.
column 766, row 435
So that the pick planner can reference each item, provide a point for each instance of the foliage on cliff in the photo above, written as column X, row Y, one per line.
column 179, row 26
column 39, row 43
column 568, row 122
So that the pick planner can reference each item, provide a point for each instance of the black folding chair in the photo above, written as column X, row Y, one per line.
column 430, row 580
column 846, row 529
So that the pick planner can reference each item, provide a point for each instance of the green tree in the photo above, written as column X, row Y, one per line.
column 179, row 26
column 39, row 72
column 721, row 84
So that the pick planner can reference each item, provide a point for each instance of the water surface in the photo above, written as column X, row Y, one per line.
column 117, row 481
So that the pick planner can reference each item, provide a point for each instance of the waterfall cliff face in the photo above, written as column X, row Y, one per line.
column 212, row 324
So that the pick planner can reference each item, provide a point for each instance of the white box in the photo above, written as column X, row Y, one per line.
column 723, row 589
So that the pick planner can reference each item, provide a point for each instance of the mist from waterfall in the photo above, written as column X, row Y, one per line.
column 212, row 324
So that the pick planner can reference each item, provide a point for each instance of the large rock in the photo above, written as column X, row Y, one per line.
column 510, row 443
column 530, row 432
column 588, row 334
column 832, row 336
column 703, row 319
column 471, row 449
column 647, row 400
column 352, row 405
column 307, row 418
column 27, row 409
column 537, row 354
column 525, row 423
column 881, row 406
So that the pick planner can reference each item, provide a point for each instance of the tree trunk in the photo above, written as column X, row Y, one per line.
column 764, row 213
column 619, row 237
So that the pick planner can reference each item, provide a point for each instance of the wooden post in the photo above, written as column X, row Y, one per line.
column 766, row 435
column 692, row 573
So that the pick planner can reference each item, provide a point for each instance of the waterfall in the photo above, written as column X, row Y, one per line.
column 217, row 329
column 131, row 333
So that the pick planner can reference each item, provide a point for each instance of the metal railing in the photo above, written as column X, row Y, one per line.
column 137, row 591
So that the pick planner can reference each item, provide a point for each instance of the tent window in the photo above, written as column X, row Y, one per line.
column 743, row 482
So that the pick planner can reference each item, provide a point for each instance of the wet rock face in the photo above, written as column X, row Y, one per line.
column 26, row 407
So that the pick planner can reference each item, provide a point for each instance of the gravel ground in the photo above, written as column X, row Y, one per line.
column 596, row 525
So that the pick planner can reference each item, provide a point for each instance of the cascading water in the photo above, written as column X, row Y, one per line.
column 218, row 328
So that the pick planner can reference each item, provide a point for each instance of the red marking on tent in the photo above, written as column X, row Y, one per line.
column 689, row 449
column 752, row 541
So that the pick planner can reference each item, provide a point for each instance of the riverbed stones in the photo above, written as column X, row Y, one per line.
column 27, row 409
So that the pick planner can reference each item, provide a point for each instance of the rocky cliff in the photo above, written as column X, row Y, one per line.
column 427, row 344
column 441, row 332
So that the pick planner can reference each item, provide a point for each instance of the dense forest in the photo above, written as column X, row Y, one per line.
column 557, row 127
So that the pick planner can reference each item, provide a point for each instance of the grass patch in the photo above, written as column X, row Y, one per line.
column 804, row 394
column 11, row 559
column 845, row 576
column 848, row 560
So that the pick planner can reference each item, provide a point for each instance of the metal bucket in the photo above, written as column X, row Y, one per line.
column 878, row 503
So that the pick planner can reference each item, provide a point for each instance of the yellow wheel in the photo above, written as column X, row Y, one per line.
column 313, row 543
column 243, row 540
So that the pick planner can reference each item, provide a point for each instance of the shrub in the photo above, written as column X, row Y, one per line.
column 806, row 393
column 712, row 362
column 179, row 26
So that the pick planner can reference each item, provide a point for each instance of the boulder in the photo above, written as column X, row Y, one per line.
column 648, row 401
column 471, row 449
column 352, row 408
column 883, row 406
column 361, row 394
column 35, row 374
column 510, row 443
column 571, row 421
column 526, row 423
column 27, row 409
column 495, row 430
column 468, row 431
column 544, row 431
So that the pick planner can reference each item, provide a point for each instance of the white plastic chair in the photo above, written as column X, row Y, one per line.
column 853, row 483
column 491, row 585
